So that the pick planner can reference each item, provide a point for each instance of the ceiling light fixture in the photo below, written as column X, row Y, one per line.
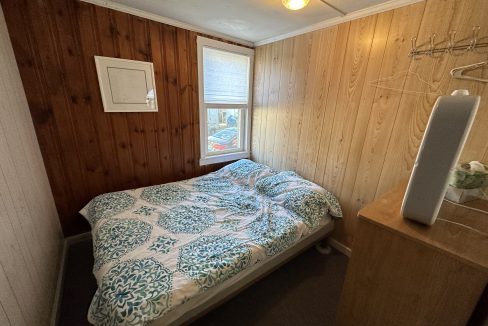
column 295, row 4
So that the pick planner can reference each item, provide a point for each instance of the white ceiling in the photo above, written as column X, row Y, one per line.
column 248, row 20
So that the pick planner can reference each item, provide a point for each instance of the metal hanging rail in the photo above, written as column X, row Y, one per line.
column 451, row 48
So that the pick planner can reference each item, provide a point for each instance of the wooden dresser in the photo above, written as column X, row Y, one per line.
column 404, row 273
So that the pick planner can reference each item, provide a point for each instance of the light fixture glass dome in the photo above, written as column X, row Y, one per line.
column 295, row 4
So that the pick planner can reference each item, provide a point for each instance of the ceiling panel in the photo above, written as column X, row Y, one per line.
column 250, row 20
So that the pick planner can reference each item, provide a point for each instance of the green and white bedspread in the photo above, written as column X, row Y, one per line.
column 157, row 247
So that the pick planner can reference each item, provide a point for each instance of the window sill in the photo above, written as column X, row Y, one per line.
column 223, row 158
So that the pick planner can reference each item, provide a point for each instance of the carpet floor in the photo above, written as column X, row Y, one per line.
column 305, row 291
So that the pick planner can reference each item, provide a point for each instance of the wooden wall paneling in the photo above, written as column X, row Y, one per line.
column 106, row 34
column 351, row 84
column 260, row 150
column 82, row 118
column 282, row 119
column 320, row 73
column 30, row 235
column 360, row 127
column 404, row 25
column 301, row 58
column 414, row 109
column 195, row 111
column 258, row 93
column 149, row 127
column 164, row 143
column 184, row 92
column 87, row 151
column 476, row 143
column 27, row 160
column 330, row 107
column 85, row 42
column 41, row 110
column 173, row 98
column 273, row 95
column 52, row 79
column 368, row 137
column 124, row 24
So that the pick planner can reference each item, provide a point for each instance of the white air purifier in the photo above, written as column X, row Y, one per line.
column 444, row 138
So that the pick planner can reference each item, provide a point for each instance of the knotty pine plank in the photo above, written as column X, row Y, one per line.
column 173, row 99
column 149, row 128
column 85, row 43
column 162, row 120
column 184, row 91
column 40, row 109
column 107, row 35
column 77, row 102
column 55, row 90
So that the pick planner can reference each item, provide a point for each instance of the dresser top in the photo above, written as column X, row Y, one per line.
column 468, row 243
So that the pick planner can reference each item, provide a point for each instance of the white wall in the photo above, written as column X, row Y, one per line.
column 30, row 234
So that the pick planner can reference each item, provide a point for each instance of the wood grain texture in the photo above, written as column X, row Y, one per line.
column 86, row 151
column 333, row 127
column 392, row 280
column 405, row 273
column 30, row 234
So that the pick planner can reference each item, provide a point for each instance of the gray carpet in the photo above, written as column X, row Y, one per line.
column 305, row 291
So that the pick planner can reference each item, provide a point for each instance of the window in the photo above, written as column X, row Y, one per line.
column 225, row 91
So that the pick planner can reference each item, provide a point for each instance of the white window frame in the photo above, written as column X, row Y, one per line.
column 244, row 150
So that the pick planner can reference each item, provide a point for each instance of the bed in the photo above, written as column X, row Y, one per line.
column 166, row 253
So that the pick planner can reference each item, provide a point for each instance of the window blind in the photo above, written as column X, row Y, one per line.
column 225, row 77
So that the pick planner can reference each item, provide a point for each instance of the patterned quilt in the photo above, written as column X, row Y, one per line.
column 157, row 247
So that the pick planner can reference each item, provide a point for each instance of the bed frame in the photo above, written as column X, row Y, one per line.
column 218, row 295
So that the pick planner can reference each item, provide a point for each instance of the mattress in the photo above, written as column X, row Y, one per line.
column 158, row 250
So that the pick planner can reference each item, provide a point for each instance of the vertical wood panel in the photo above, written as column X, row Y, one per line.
column 414, row 109
column 313, row 121
column 301, row 56
column 330, row 99
column 30, row 234
column 87, row 151
column 355, row 139
column 347, row 104
column 273, row 94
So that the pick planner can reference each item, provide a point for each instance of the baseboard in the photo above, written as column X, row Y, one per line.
column 340, row 247
column 60, row 282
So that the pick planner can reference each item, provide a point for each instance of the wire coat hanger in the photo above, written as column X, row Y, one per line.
column 458, row 72
column 379, row 83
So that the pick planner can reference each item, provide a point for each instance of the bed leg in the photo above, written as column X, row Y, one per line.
column 324, row 249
